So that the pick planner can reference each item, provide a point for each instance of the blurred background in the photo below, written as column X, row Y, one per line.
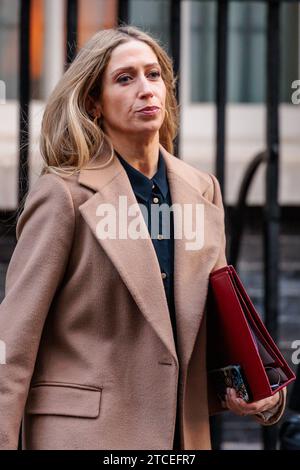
column 237, row 63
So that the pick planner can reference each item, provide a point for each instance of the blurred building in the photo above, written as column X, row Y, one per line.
column 246, row 82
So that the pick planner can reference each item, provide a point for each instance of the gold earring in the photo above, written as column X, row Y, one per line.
column 96, row 120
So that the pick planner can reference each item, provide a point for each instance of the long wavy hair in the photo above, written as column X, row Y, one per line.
column 69, row 136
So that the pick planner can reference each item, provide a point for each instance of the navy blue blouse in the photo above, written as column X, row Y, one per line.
column 154, row 198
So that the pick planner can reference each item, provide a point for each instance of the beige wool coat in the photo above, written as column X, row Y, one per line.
column 90, row 354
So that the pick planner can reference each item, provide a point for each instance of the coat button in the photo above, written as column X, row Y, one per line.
column 160, row 236
column 155, row 200
column 163, row 275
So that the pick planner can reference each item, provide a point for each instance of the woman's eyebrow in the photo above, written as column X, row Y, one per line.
column 132, row 68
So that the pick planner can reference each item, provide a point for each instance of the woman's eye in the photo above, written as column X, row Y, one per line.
column 126, row 78
column 155, row 73
column 123, row 78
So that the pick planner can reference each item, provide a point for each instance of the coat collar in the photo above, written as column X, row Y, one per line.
column 130, row 257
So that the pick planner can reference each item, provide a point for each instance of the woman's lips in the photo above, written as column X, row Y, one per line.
column 149, row 111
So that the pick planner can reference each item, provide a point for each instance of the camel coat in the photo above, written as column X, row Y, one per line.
column 90, row 355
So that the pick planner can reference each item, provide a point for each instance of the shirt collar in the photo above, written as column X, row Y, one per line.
column 141, row 184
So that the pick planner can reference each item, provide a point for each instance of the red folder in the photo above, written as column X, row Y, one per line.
column 237, row 335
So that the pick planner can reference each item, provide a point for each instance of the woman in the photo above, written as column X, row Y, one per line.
column 96, row 356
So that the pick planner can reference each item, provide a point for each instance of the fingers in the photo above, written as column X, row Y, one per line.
column 242, row 408
column 234, row 403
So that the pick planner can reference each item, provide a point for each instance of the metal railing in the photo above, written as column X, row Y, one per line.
column 271, row 157
column 72, row 30
column 24, row 98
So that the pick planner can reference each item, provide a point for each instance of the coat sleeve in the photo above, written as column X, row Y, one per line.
column 44, row 237
column 273, row 415
column 218, row 201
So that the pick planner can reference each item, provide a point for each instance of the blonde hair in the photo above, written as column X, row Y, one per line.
column 69, row 137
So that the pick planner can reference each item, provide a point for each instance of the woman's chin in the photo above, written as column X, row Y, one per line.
column 147, row 127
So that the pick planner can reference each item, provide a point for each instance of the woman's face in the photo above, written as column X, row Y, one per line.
column 132, row 81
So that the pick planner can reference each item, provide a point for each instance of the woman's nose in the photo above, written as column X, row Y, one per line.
column 145, row 89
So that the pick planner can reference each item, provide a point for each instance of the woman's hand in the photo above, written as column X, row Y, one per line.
column 242, row 408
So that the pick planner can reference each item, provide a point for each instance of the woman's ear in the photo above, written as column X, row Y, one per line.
column 93, row 107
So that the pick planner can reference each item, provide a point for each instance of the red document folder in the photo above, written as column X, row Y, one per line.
column 237, row 335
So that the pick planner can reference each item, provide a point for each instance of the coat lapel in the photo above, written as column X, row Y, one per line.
column 136, row 260
column 192, row 267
